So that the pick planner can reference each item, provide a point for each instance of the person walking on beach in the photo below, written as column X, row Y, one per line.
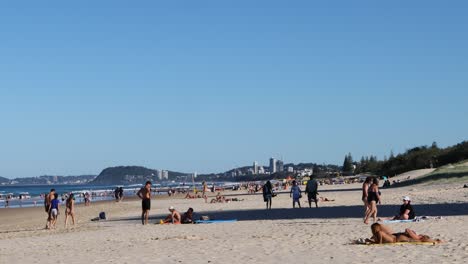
column 145, row 196
column 267, row 194
column 116, row 194
column 87, row 198
column 54, row 211
column 47, row 204
column 312, row 191
column 7, row 201
column 365, row 189
column 373, row 198
column 121, row 194
column 295, row 193
column 70, row 209
column 205, row 188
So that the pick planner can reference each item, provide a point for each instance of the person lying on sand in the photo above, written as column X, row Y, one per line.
column 188, row 196
column 173, row 218
column 325, row 199
column 218, row 199
column 382, row 235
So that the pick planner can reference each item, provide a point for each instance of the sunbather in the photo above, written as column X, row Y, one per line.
column 382, row 234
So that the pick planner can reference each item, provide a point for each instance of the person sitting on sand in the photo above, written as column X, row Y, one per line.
column 218, row 199
column 382, row 234
column 173, row 218
column 70, row 209
column 187, row 217
column 406, row 210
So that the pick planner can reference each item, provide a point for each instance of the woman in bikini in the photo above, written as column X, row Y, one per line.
column 382, row 234
column 373, row 197
column 70, row 209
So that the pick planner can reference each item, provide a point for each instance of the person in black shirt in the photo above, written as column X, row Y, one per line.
column 406, row 210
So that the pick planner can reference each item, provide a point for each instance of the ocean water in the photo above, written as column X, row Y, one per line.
column 34, row 193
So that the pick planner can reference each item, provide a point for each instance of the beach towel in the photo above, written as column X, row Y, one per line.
column 215, row 221
column 404, row 243
column 417, row 219
column 399, row 221
column 362, row 241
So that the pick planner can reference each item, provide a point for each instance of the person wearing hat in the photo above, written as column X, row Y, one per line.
column 406, row 210
column 173, row 218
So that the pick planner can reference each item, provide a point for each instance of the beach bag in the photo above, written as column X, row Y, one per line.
column 102, row 216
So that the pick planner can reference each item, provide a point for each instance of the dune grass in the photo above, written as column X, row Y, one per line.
column 452, row 173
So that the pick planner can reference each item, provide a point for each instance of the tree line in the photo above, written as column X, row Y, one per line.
column 421, row 157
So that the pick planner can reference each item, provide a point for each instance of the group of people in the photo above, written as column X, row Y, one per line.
column 371, row 197
column 174, row 216
column 295, row 193
column 52, row 208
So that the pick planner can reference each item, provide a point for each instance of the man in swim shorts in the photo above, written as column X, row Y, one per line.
column 47, row 205
column 145, row 196
column 311, row 190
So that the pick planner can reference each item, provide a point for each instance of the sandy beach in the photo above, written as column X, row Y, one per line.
column 283, row 234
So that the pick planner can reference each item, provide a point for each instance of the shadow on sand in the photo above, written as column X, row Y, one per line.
column 455, row 209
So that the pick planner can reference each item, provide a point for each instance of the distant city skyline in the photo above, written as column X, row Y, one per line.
column 208, row 86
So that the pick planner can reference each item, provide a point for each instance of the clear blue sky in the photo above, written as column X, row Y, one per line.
column 209, row 85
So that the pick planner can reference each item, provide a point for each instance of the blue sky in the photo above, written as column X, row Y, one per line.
column 209, row 85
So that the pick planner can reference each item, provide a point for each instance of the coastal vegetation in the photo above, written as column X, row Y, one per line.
column 413, row 159
column 446, row 174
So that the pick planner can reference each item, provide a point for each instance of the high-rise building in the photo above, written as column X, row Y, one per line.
column 158, row 175
column 255, row 167
column 261, row 170
column 280, row 166
column 164, row 175
column 273, row 165
column 290, row 169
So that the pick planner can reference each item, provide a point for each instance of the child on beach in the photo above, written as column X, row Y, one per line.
column 54, row 211
column 295, row 193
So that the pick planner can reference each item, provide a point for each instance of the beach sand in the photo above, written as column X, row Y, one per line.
column 281, row 235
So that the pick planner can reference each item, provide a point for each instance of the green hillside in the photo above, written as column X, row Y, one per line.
column 451, row 173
